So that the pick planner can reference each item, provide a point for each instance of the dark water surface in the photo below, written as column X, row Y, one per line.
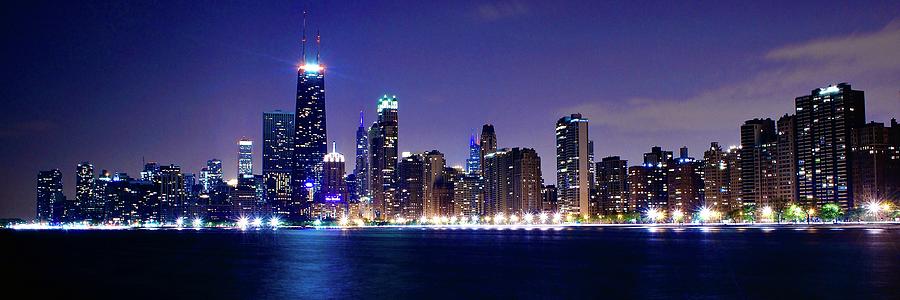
column 593, row 262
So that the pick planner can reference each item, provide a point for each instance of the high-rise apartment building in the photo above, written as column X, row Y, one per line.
column 573, row 165
column 383, row 159
column 825, row 120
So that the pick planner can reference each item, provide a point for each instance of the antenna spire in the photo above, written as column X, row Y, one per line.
column 360, row 118
column 303, row 42
column 318, row 45
column 334, row 146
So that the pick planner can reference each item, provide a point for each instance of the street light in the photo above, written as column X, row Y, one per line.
column 705, row 214
column 767, row 213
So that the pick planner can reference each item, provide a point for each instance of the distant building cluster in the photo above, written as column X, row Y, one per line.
column 824, row 153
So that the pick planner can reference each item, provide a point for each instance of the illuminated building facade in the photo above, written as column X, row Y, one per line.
column 473, row 162
column 758, row 174
column 434, row 163
column 876, row 164
column 685, row 184
column 411, row 185
column 383, row 159
column 361, row 169
column 786, row 160
column 50, row 197
column 512, row 182
column 648, row 183
column 278, row 152
column 716, row 178
column 333, row 195
column 612, row 185
column 171, row 194
column 310, row 134
column 245, row 158
column 573, row 165
column 468, row 195
column 84, row 190
column 825, row 120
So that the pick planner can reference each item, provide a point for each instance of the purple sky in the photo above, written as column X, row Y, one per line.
column 181, row 82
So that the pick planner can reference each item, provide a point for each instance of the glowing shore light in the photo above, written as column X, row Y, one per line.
column 655, row 215
column 705, row 214
column 527, row 218
column 243, row 222
column 514, row 219
column 453, row 219
column 179, row 222
column 557, row 218
column 543, row 217
column 677, row 215
column 499, row 218
column 317, row 223
column 257, row 222
column 423, row 220
column 274, row 222
column 197, row 222
column 344, row 221
column 767, row 212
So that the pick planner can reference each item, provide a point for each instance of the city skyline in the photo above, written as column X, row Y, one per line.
column 454, row 146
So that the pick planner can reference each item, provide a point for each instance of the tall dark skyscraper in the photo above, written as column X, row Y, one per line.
column 786, row 160
column 211, row 176
column 648, row 183
column 488, row 142
column 84, row 192
column 434, row 170
column 310, row 135
column 411, row 185
column 825, row 121
column 361, row 170
column 612, row 185
column 758, row 146
column 685, row 184
column 171, row 194
column 716, row 178
column 512, row 182
column 383, row 159
column 332, row 200
column 573, row 165
column 50, row 198
column 876, row 164
column 278, row 151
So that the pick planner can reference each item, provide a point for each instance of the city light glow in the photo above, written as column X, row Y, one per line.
column 197, row 222
column 243, row 222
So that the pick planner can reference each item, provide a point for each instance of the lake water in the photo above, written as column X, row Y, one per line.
column 571, row 262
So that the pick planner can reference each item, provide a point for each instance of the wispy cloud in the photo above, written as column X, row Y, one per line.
column 871, row 61
column 26, row 128
column 501, row 10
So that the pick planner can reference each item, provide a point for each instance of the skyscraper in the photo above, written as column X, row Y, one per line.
column 211, row 176
column 612, row 185
column 310, row 134
column 361, row 170
column 512, row 181
column 50, row 198
column 573, row 170
column 278, row 151
column 468, row 195
column 825, row 120
column 648, row 183
column 245, row 158
column 84, row 192
column 473, row 162
column 488, row 142
column 333, row 196
column 786, row 160
column 171, row 194
column 716, row 178
column 876, row 165
column 383, row 159
column 434, row 163
column 685, row 184
column 758, row 145
column 411, row 185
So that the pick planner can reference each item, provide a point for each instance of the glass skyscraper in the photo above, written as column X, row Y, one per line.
column 383, row 158
column 245, row 158
column 310, row 140
column 278, row 150
column 362, row 161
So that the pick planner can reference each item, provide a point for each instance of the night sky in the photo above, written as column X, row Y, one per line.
column 180, row 82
